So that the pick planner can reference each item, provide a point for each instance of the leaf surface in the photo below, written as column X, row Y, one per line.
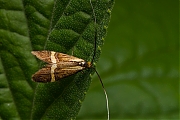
column 63, row 26
column 16, row 62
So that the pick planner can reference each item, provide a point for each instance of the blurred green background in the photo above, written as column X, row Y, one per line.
column 139, row 64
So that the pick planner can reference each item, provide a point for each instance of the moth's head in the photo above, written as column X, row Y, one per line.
column 88, row 64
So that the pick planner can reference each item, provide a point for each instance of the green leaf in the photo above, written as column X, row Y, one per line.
column 16, row 62
column 62, row 26
column 139, row 64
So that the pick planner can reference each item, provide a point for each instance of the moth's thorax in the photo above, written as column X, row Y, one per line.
column 85, row 64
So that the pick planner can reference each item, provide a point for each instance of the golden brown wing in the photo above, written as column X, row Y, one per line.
column 55, row 57
column 52, row 73
column 43, row 75
column 43, row 55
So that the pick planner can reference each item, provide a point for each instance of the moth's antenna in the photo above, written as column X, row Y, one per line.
column 107, row 103
column 95, row 36
column 95, row 41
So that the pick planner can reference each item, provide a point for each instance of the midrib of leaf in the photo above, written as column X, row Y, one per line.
column 51, row 28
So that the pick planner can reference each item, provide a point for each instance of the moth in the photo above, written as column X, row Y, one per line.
column 59, row 66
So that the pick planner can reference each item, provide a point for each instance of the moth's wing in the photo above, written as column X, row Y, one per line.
column 60, row 57
column 60, row 73
column 43, row 55
column 52, row 74
column 43, row 75
column 55, row 57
